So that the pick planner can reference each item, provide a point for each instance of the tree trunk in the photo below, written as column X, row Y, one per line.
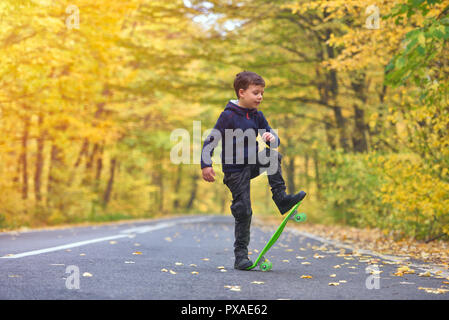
column 329, row 136
column 341, row 125
column 359, row 86
column 193, row 191
column 161, row 189
column 24, row 158
column 177, row 187
column 84, row 150
column 332, row 89
column 108, row 191
column 90, row 162
column 99, row 167
column 317, row 173
column 88, row 175
column 306, row 170
column 39, row 159
column 291, row 175
column 359, row 136
column 53, row 179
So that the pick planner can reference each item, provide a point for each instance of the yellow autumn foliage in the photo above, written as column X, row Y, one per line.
column 416, row 198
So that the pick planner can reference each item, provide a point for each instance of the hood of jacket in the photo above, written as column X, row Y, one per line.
column 244, row 112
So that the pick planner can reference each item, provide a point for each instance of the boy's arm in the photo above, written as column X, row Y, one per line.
column 212, row 140
column 264, row 125
column 208, row 174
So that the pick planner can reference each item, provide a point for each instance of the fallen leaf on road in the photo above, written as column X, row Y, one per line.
column 172, row 272
column 179, row 263
column 374, row 272
column 205, row 259
column 305, row 263
column 193, row 265
column 194, row 272
column 164, row 270
column 403, row 270
column 306, row 277
column 333, row 275
column 257, row 282
column 334, row 283
column 434, row 290
column 285, row 260
column 233, row 288
column 112, row 242
column 425, row 274
column 337, row 266
column 137, row 253
column 87, row 274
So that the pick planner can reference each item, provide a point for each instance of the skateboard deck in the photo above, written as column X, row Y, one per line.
column 265, row 264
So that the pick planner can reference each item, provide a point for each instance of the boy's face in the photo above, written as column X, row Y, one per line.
column 251, row 97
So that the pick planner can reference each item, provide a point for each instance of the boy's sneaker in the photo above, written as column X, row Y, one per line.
column 242, row 264
column 285, row 202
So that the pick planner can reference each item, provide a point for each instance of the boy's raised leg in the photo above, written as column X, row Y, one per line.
column 283, row 201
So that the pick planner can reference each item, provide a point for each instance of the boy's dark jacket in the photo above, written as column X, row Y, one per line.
column 236, row 117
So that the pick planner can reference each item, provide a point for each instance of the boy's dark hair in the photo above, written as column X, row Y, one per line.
column 244, row 79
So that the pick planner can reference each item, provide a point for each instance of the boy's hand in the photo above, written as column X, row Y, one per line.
column 208, row 174
column 268, row 137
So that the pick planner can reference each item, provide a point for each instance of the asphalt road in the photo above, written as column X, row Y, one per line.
column 191, row 258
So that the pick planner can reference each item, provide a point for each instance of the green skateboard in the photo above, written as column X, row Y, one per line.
column 265, row 264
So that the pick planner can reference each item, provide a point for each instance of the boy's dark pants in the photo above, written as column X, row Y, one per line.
column 239, row 184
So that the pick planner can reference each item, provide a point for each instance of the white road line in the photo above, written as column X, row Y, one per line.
column 66, row 246
column 144, row 229
column 124, row 234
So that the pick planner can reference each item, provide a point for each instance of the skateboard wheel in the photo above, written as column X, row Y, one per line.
column 266, row 265
column 300, row 217
column 292, row 216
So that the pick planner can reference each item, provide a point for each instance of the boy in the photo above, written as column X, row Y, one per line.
column 237, row 127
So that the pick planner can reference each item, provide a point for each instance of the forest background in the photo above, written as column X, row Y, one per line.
column 91, row 93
